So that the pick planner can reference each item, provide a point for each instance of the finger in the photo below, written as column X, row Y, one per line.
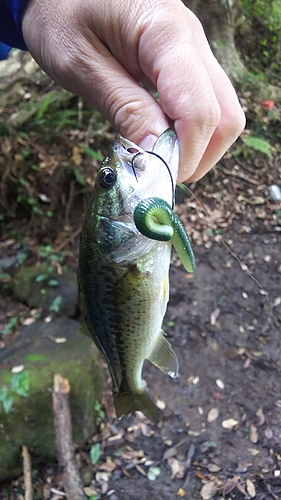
column 78, row 61
column 206, row 121
column 232, row 120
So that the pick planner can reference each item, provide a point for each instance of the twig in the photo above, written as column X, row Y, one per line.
column 28, row 495
column 63, row 431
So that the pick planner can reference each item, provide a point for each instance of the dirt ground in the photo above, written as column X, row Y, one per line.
column 221, row 424
column 220, row 432
column 221, row 428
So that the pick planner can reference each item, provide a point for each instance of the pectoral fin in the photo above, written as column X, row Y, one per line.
column 164, row 357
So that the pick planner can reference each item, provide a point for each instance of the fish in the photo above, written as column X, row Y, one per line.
column 123, row 275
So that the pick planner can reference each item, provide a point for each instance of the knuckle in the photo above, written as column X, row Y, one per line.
column 126, row 116
column 207, row 114
column 233, row 122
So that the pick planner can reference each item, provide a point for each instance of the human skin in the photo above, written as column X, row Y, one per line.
column 107, row 50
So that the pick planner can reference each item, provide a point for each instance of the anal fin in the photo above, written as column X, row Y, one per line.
column 163, row 356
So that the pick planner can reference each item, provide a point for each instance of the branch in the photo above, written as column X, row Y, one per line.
column 63, row 431
column 28, row 495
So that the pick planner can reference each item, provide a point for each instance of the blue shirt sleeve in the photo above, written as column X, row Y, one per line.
column 10, row 26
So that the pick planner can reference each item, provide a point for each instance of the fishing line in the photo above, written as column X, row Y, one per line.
column 243, row 266
column 133, row 166
column 166, row 165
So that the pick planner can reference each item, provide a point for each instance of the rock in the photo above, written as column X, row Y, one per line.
column 41, row 350
column 44, row 293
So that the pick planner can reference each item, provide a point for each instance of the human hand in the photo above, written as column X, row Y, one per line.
column 101, row 50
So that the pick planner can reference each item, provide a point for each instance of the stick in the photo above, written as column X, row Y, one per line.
column 28, row 495
column 63, row 431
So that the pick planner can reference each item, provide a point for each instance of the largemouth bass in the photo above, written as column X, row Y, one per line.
column 123, row 274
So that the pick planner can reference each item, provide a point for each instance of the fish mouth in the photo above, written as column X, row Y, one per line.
column 154, row 170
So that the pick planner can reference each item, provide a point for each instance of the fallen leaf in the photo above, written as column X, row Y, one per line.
column 60, row 340
column 141, row 470
column 229, row 424
column 181, row 493
column 174, row 465
column 17, row 369
column 28, row 321
column 170, row 452
column 250, row 488
column 253, row 435
column 95, row 453
column 213, row 467
column 214, row 316
column 218, row 396
column 229, row 485
column 76, row 156
column 268, row 433
column 212, row 414
column 153, row 473
column 102, row 477
column 260, row 416
column 90, row 491
column 220, row 384
column 208, row 491
column 160, row 404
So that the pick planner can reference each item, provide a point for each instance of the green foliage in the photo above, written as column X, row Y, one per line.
column 91, row 152
column 153, row 472
column 100, row 415
column 50, row 255
column 251, row 144
column 10, row 326
column 95, row 453
column 56, row 304
column 262, row 38
column 18, row 385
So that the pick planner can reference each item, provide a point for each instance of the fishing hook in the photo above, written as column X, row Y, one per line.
column 166, row 165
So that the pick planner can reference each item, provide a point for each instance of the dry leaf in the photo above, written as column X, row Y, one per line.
column 212, row 414
column 174, row 465
column 260, row 416
column 90, row 491
column 229, row 424
column 214, row 316
column 213, row 467
column 170, row 452
column 17, row 369
column 76, row 156
column 60, row 340
column 229, row 485
column 160, row 404
column 250, row 488
column 253, row 435
column 268, row 433
column 220, row 384
column 28, row 321
column 181, row 493
column 208, row 491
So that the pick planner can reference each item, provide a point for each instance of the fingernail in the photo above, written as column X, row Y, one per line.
column 147, row 142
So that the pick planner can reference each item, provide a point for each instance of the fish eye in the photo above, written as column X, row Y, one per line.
column 107, row 178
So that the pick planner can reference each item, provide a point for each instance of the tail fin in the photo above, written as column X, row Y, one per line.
column 126, row 402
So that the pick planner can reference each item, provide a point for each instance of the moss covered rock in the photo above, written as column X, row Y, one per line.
column 42, row 287
column 40, row 351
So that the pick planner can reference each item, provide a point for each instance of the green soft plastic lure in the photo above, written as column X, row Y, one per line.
column 155, row 219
